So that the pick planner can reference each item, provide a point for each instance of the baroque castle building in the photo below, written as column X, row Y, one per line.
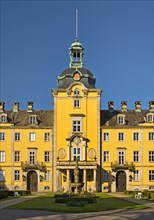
column 113, row 149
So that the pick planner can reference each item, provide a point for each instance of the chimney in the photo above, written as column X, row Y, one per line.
column 151, row 106
column 29, row 106
column 15, row 106
column 138, row 106
column 111, row 106
column 2, row 106
column 124, row 106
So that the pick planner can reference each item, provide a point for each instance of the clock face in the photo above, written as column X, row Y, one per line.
column 76, row 76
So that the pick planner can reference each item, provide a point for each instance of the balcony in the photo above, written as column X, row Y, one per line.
column 125, row 166
column 66, row 163
column 36, row 166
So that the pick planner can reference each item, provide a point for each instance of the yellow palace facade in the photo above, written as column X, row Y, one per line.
column 114, row 149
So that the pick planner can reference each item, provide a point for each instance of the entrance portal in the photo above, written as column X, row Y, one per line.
column 32, row 181
column 121, row 181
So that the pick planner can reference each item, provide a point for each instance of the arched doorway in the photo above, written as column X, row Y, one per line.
column 120, row 181
column 32, row 181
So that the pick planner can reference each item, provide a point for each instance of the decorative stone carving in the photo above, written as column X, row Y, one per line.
column 62, row 153
column 92, row 153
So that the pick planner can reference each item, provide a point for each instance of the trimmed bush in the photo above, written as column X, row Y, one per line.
column 4, row 194
column 20, row 192
column 74, row 203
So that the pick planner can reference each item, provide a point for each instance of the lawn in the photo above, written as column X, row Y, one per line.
column 104, row 202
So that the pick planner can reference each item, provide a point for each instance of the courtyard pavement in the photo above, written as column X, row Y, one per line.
column 12, row 214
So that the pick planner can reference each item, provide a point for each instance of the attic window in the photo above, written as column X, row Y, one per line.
column 33, row 120
column 120, row 120
column 76, row 92
column 3, row 118
column 150, row 118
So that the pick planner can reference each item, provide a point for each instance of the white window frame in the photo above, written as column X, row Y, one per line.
column 121, row 157
column 2, row 156
column 76, row 155
column 136, row 136
column 16, row 175
column 46, row 156
column 2, row 136
column 106, row 156
column 32, row 136
column 151, row 175
column 76, row 92
column 3, row 118
column 151, row 156
column 76, row 103
column 136, row 175
column 32, row 120
column 136, row 156
column 46, row 136
column 17, row 156
column 17, row 136
column 2, row 175
column 121, row 136
column 106, row 136
column 47, row 175
column 151, row 136
column 150, row 118
column 76, row 127
column 32, row 156
column 120, row 119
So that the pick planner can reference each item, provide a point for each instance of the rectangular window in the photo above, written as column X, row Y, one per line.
column 17, row 175
column 151, row 136
column 32, row 136
column 47, row 175
column 151, row 156
column 17, row 156
column 121, row 136
column 47, row 156
column 2, row 136
column 120, row 120
column 17, row 136
column 77, row 126
column 106, row 136
column 106, row 175
column 2, row 175
column 76, row 153
column 2, row 156
column 32, row 157
column 76, row 103
column 136, row 136
column 151, row 175
column 136, row 175
column 106, row 156
column 46, row 136
column 136, row 156
column 121, row 157
column 32, row 120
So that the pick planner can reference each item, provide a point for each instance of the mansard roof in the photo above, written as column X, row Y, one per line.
column 132, row 118
column 21, row 118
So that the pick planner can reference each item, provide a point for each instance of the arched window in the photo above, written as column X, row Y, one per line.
column 150, row 118
column 3, row 118
column 76, row 92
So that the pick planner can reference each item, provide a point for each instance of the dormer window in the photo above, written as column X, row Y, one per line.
column 3, row 118
column 33, row 120
column 120, row 120
column 76, row 92
column 150, row 117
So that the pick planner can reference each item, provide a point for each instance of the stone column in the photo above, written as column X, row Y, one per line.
column 68, row 180
column 94, row 188
column 59, row 186
column 85, row 179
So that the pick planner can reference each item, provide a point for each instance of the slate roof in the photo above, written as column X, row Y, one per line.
column 132, row 117
column 21, row 118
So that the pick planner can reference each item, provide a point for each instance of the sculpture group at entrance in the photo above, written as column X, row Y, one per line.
column 77, row 184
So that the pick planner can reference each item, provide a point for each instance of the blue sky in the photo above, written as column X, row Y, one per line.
column 117, row 37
